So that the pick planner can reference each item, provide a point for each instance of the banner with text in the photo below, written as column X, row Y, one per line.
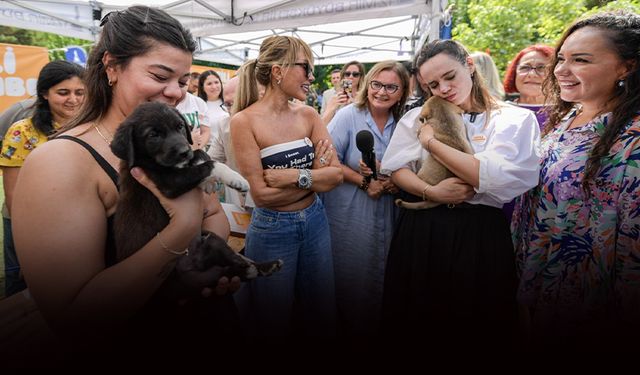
column 19, row 69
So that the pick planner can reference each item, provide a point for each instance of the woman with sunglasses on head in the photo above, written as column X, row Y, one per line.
column 285, row 152
column 450, row 273
column 350, row 76
column 361, row 211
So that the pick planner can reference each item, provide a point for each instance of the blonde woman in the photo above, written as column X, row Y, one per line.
column 285, row 153
column 488, row 70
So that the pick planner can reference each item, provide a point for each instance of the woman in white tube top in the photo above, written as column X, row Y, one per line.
column 285, row 153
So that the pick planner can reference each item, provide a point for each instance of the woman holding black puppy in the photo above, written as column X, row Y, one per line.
column 69, row 263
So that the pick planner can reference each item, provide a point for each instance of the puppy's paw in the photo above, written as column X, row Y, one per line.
column 229, row 177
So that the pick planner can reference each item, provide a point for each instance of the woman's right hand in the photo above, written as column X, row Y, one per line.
column 187, row 209
column 451, row 190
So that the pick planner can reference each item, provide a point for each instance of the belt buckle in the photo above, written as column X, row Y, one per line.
column 451, row 205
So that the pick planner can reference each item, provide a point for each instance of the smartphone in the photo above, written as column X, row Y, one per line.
column 346, row 86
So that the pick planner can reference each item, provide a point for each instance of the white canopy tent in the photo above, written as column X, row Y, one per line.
column 231, row 31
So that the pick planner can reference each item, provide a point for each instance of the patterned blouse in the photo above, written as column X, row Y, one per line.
column 579, row 257
column 21, row 138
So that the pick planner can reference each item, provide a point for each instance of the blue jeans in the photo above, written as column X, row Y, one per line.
column 303, row 241
column 14, row 282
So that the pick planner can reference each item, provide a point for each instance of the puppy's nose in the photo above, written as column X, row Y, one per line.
column 185, row 154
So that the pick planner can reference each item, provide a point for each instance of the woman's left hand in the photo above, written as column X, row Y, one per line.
column 281, row 178
column 388, row 186
column 323, row 154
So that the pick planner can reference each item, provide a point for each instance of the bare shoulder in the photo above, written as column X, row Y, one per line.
column 305, row 110
column 61, row 163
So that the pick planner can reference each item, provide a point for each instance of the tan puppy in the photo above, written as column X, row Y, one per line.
column 448, row 127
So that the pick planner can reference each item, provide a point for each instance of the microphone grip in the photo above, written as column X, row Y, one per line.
column 370, row 161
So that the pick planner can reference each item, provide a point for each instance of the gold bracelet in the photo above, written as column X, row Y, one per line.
column 166, row 248
column 424, row 191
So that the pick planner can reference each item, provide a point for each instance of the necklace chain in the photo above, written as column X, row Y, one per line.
column 98, row 126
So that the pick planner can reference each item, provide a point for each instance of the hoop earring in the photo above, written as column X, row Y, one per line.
column 109, row 82
column 278, row 82
column 621, row 83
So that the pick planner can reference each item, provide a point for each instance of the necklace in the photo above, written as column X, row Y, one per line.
column 98, row 126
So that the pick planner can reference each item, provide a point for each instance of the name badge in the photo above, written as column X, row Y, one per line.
column 480, row 138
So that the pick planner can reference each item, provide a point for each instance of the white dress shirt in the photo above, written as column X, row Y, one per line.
column 507, row 148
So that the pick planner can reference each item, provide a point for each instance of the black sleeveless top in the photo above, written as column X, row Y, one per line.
column 110, row 253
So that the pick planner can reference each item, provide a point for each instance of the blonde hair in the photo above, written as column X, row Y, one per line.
column 489, row 72
column 362, row 98
column 275, row 50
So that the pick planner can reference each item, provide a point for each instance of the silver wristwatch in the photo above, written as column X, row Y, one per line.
column 304, row 179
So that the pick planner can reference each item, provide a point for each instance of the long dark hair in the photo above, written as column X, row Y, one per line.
column 481, row 99
column 622, row 30
column 203, row 77
column 126, row 34
column 50, row 75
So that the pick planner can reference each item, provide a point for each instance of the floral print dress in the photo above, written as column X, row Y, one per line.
column 578, row 257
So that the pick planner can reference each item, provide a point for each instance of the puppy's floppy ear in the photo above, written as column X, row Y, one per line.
column 122, row 144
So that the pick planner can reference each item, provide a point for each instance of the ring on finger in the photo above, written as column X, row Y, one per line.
column 323, row 161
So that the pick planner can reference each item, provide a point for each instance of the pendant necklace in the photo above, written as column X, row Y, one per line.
column 98, row 126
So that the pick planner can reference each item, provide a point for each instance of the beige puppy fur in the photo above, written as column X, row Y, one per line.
column 448, row 127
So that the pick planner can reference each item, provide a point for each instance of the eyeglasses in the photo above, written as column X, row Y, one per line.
column 352, row 74
column 307, row 68
column 226, row 106
column 525, row 69
column 390, row 88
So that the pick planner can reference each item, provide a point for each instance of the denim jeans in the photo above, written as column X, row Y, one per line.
column 302, row 293
column 13, row 278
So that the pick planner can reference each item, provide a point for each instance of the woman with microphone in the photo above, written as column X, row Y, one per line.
column 361, row 211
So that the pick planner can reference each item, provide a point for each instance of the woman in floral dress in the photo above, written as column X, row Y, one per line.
column 577, row 233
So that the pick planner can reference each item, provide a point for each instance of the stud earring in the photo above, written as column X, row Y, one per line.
column 278, row 81
column 621, row 83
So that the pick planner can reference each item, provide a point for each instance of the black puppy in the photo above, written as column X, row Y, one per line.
column 156, row 138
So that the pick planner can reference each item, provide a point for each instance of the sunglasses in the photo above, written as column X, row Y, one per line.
column 307, row 68
column 352, row 74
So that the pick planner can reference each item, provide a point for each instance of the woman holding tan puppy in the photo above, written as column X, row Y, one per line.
column 451, row 271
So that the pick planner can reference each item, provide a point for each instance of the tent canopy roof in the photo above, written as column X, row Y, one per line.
column 231, row 31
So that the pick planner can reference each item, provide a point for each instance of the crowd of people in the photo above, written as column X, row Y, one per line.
column 534, row 241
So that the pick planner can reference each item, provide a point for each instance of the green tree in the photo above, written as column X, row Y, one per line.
column 53, row 42
column 504, row 27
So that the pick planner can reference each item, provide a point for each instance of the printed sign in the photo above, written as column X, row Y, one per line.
column 76, row 55
column 225, row 74
column 19, row 69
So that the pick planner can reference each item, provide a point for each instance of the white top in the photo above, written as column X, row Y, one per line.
column 507, row 148
column 221, row 150
column 326, row 96
column 216, row 113
column 194, row 110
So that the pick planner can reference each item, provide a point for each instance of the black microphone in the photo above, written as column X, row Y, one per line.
column 364, row 142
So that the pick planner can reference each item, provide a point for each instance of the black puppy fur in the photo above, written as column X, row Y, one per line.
column 156, row 138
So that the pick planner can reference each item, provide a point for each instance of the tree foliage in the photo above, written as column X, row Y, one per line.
column 53, row 42
column 504, row 27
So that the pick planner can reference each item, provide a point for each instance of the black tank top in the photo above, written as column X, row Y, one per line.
column 110, row 253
